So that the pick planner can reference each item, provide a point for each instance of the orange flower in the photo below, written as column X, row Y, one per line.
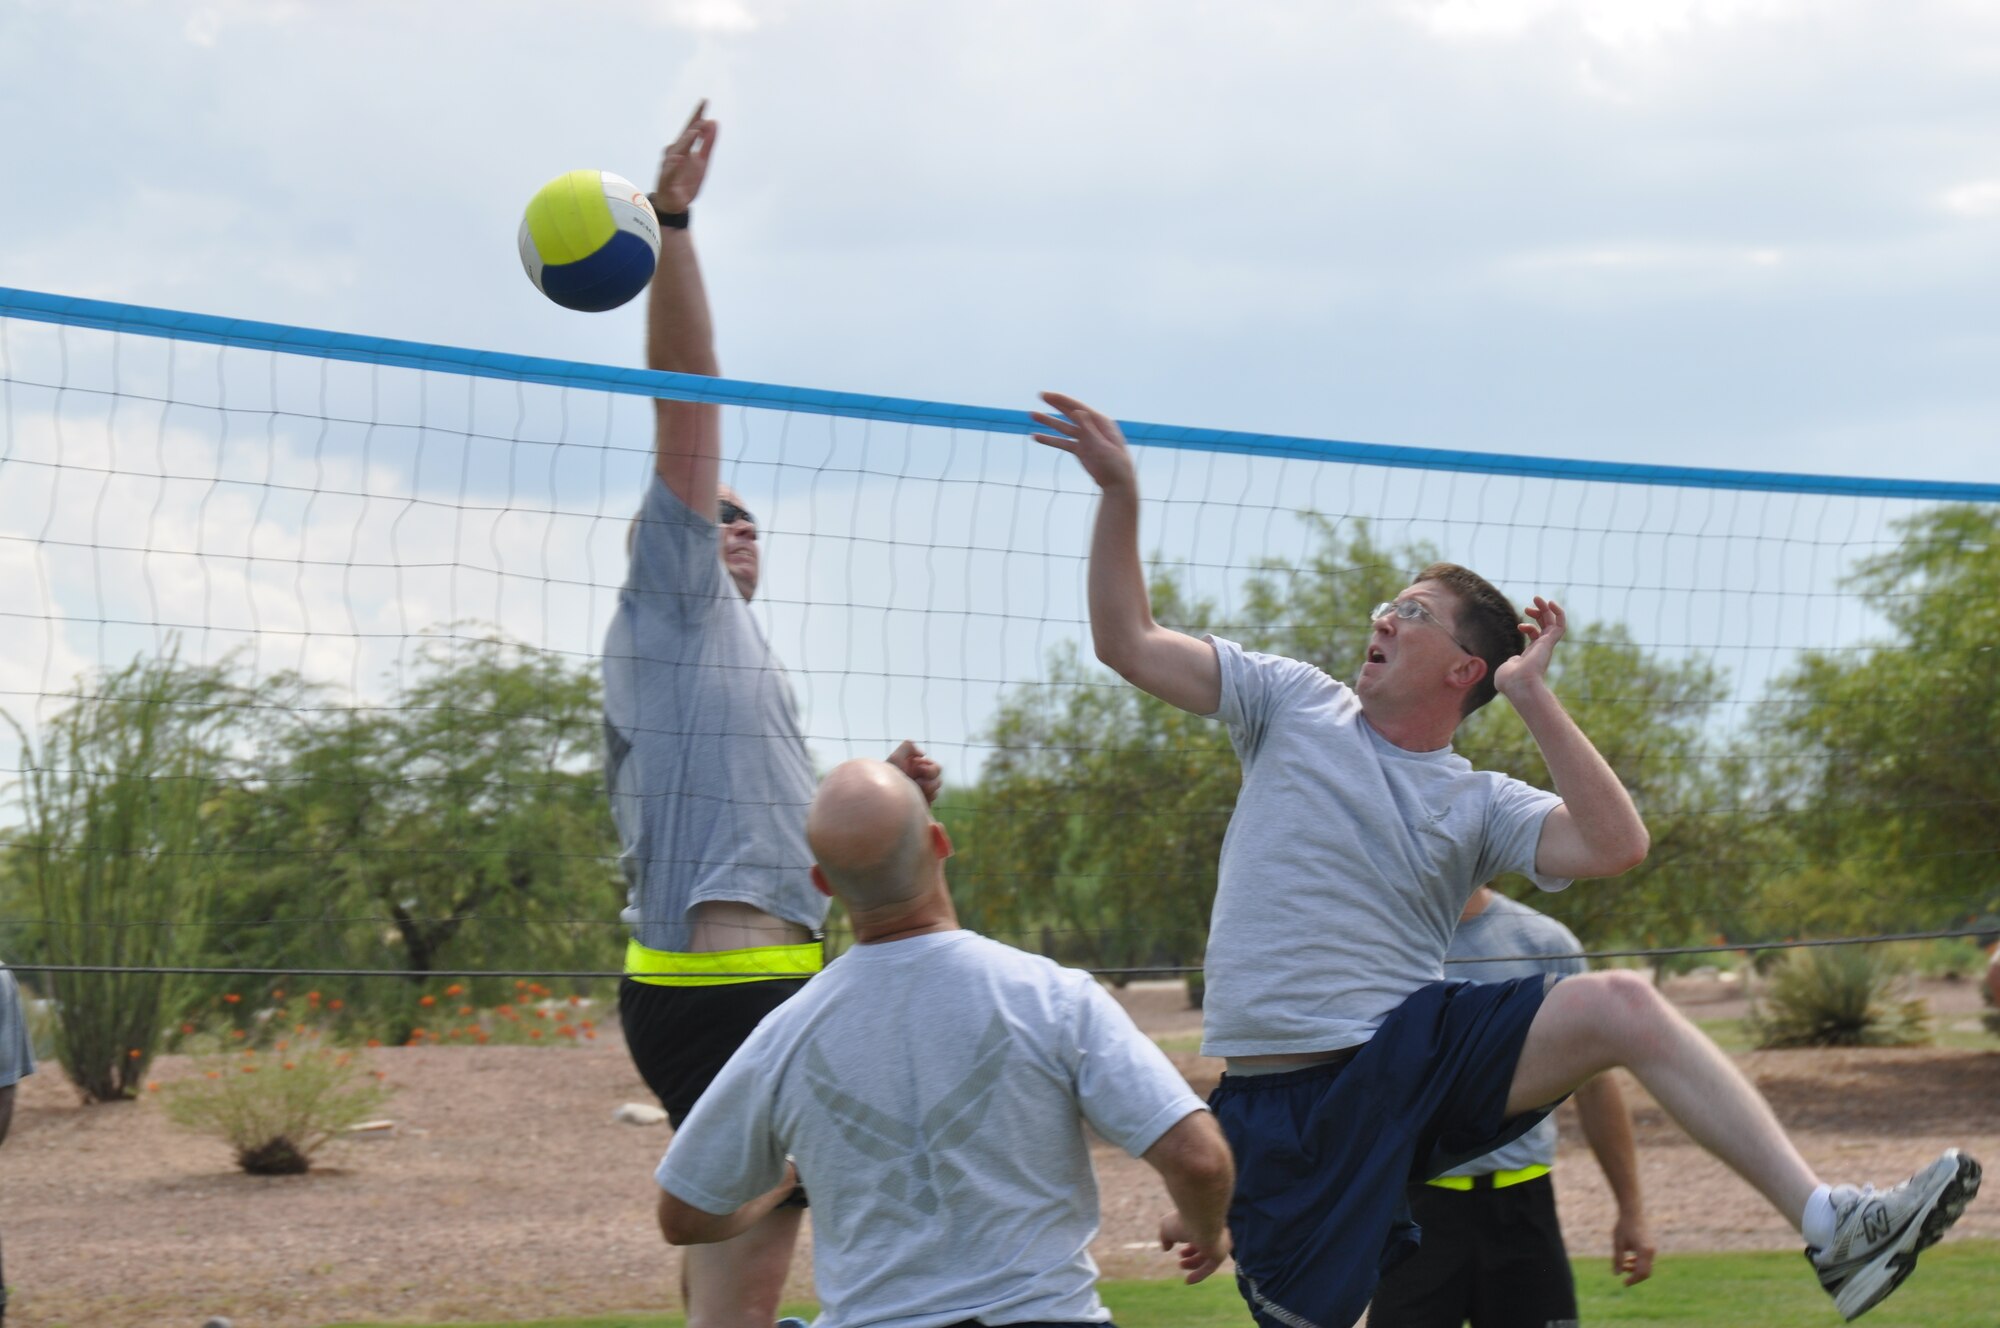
column 187, row 1028
column 277, row 995
column 566, row 1031
column 585, row 1023
column 480, row 1033
column 313, row 996
column 503, row 1010
column 249, row 1069
column 427, row 1000
column 135, row 1053
column 381, row 1074
column 576, row 1000
column 237, row 1033
column 298, row 1028
column 589, row 1036
column 213, row 1074
column 374, row 1042
column 465, row 1009
column 335, row 1004
column 534, row 1032
column 152, row 1086
column 342, row 1060
column 520, row 984
column 290, row 1066
column 282, row 1044
column 562, row 1016
column 231, row 998
column 454, row 990
column 540, row 1013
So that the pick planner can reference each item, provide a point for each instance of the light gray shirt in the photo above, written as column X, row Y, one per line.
column 933, row 1092
column 1346, row 863
column 707, row 769
column 1506, row 927
column 17, row 1054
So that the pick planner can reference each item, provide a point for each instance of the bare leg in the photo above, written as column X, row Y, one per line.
column 1600, row 1020
column 737, row 1283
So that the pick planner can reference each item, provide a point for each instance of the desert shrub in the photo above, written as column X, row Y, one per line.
column 1837, row 996
column 276, row 1109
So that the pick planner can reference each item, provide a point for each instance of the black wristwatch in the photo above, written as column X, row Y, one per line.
column 673, row 221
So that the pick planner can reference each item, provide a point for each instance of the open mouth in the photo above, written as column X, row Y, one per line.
column 1375, row 656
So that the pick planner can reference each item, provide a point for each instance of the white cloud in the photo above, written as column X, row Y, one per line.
column 1976, row 198
column 710, row 17
column 1613, row 23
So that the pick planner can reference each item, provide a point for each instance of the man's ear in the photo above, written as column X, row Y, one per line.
column 819, row 881
column 940, row 841
column 1465, row 674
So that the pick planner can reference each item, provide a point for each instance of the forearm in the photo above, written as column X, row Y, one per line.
column 1599, row 807
column 680, row 338
column 1607, row 1128
column 1121, row 607
column 1194, row 1162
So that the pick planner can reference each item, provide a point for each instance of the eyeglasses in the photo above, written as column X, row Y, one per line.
column 728, row 513
column 1413, row 610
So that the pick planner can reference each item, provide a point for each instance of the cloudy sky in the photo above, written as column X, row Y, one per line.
column 1737, row 232
column 1756, row 233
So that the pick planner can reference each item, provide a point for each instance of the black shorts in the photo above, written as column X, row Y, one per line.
column 1491, row 1258
column 681, row 1037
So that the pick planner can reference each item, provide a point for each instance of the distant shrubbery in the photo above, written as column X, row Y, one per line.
column 1837, row 996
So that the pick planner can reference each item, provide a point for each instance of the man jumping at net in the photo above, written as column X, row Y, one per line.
column 1352, row 1067
column 707, row 767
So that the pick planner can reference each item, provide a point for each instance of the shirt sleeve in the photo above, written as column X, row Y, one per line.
column 1514, row 816
column 1255, row 690
column 727, row 1152
column 17, row 1053
column 1128, row 1089
column 676, row 553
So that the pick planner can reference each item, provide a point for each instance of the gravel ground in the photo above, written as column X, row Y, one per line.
column 506, row 1190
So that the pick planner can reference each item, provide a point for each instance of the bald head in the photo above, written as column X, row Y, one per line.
column 870, row 834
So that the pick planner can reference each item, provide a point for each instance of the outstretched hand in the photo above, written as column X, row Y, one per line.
column 1198, row 1261
column 925, row 773
column 685, row 164
column 1532, row 664
column 1090, row 436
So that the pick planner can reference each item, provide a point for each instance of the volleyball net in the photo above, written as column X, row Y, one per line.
column 305, row 633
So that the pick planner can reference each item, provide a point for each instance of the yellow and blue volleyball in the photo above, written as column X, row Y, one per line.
column 590, row 240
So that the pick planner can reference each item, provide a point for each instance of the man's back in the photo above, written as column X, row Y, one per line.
column 929, row 1090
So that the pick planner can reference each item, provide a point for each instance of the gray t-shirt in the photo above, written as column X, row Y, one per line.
column 1506, row 927
column 1346, row 863
column 933, row 1092
column 17, row 1054
column 707, row 769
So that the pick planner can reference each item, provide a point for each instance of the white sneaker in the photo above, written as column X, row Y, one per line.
column 1877, row 1237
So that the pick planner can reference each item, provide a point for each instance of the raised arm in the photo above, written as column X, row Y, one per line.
column 687, row 435
column 1596, row 831
column 1607, row 1127
column 1171, row 665
column 1193, row 1159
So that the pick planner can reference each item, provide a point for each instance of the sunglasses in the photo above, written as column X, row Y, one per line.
column 728, row 514
column 1413, row 610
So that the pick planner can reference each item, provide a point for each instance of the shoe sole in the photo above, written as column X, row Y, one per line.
column 1871, row 1284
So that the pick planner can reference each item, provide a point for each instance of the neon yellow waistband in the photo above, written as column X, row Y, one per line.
column 720, row 968
column 1499, row 1180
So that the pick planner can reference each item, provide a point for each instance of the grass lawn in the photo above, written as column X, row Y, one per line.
column 1956, row 1286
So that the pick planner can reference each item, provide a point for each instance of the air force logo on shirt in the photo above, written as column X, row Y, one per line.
column 918, row 1169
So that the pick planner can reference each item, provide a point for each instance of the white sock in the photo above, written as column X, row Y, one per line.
column 1817, row 1223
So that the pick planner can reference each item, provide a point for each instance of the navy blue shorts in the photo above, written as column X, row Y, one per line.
column 1323, row 1154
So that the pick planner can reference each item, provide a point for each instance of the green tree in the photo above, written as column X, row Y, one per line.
column 116, row 851
column 1890, row 781
column 461, row 824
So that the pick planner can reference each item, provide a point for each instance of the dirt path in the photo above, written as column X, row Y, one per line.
column 508, row 1191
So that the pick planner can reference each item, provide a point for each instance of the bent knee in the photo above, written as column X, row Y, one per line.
column 1624, row 1010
